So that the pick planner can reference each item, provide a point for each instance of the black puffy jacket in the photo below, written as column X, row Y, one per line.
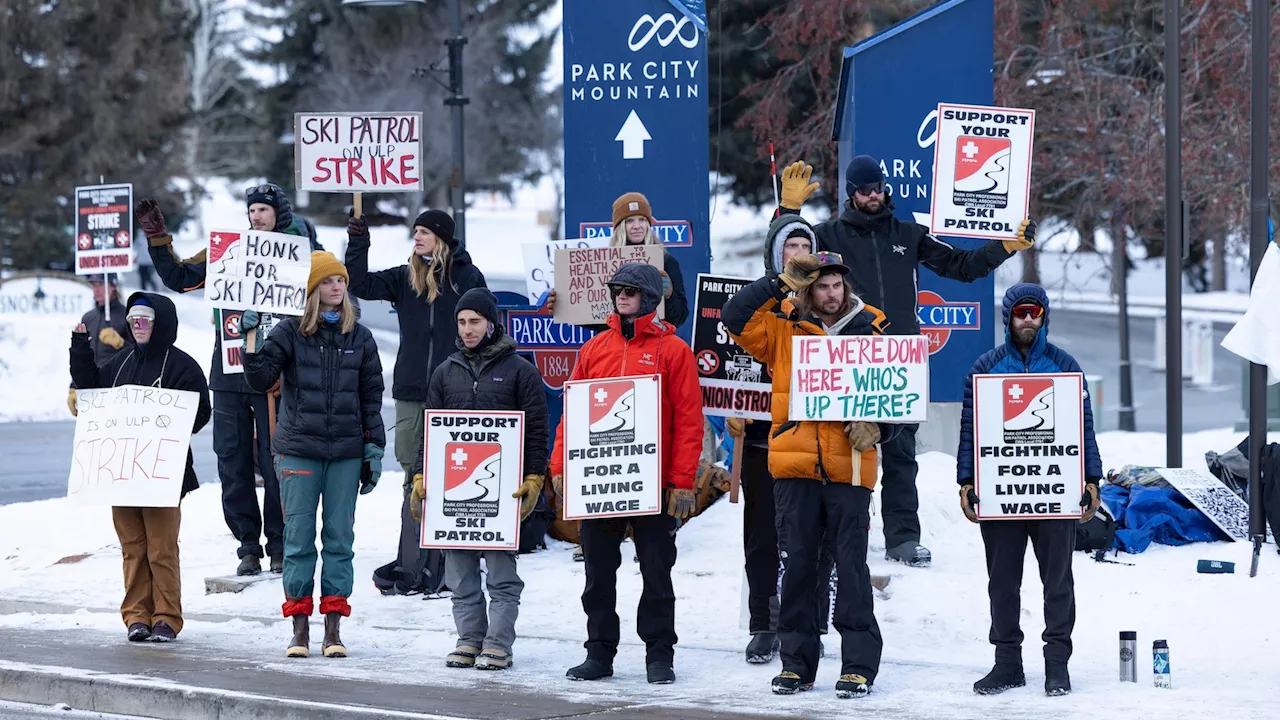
column 499, row 380
column 331, row 389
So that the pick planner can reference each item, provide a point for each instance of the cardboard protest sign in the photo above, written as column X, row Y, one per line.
column 358, row 152
column 474, row 462
column 104, row 229
column 982, row 170
column 131, row 446
column 540, row 264
column 263, row 271
column 582, row 298
column 612, row 447
column 874, row 378
column 1028, row 443
column 231, row 343
column 734, row 384
column 1218, row 503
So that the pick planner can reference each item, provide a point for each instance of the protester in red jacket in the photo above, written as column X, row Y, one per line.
column 638, row 343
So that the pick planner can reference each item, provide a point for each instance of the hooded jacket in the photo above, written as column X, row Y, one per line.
column 156, row 364
column 776, row 238
column 1007, row 359
column 428, row 330
column 652, row 348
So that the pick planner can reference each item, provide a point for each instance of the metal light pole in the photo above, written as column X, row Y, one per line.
column 1173, row 231
column 1258, row 209
column 1121, row 261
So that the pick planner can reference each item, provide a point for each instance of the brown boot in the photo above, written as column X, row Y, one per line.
column 300, row 647
column 332, row 643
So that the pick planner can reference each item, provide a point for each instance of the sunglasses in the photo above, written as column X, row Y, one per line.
column 259, row 190
column 869, row 189
column 627, row 291
column 1030, row 311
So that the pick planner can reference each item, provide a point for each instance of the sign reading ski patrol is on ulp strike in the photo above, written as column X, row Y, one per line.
column 734, row 384
column 1028, row 437
column 612, row 447
column 474, row 462
column 982, row 176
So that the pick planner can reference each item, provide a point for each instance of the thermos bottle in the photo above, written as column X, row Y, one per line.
column 1160, row 664
column 1128, row 656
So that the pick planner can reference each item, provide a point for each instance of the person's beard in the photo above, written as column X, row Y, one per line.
column 866, row 206
column 1025, row 336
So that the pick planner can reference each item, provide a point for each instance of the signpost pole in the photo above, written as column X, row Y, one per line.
column 735, row 473
column 1258, row 210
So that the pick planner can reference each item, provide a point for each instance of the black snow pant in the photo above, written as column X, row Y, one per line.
column 808, row 509
column 899, row 502
column 1053, row 542
column 655, row 539
column 235, row 415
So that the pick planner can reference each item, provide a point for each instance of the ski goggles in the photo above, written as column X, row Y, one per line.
column 140, row 322
column 259, row 190
column 869, row 188
column 1028, row 311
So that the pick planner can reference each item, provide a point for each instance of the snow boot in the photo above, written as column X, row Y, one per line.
column 852, row 686
column 494, row 659
column 577, row 554
column 332, row 646
column 910, row 553
column 300, row 646
column 659, row 673
column 763, row 648
column 277, row 564
column 139, row 632
column 591, row 669
column 161, row 632
column 1004, row 676
column 789, row 683
column 463, row 656
column 1056, row 680
column 249, row 565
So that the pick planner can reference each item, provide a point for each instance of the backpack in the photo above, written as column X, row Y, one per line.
column 1232, row 468
column 1098, row 533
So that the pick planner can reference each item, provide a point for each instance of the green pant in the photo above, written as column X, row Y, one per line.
column 409, row 430
column 303, row 482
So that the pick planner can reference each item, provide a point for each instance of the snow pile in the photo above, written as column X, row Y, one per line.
column 35, row 366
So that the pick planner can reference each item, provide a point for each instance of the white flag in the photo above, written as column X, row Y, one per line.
column 1256, row 337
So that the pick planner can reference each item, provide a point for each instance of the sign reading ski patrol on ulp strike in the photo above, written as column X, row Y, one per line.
column 734, row 384
column 982, row 170
column 612, row 447
column 1028, row 437
column 474, row 462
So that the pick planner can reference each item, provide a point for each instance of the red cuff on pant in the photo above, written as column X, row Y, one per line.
column 335, row 604
column 298, row 606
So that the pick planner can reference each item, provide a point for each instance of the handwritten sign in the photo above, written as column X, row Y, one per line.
column 734, row 384
column 131, row 446
column 874, row 378
column 612, row 447
column 358, row 152
column 1028, row 441
column 474, row 462
column 540, row 264
column 582, row 297
column 104, row 229
column 251, row 270
column 982, row 170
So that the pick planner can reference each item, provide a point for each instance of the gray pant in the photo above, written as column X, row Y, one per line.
column 409, row 436
column 495, row 629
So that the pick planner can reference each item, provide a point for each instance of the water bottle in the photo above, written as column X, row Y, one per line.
column 1128, row 656
column 1160, row 664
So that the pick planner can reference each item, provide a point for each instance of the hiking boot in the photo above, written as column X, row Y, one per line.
column 763, row 648
column 494, row 659
column 590, row 669
column 659, row 673
column 1004, row 676
column 277, row 564
column 577, row 554
column 463, row 656
column 300, row 646
column 789, row 683
column 910, row 553
column 851, row 685
column 161, row 632
column 249, row 565
column 139, row 632
column 1056, row 680
column 332, row 646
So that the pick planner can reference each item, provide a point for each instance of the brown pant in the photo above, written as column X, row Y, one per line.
column 152, row 582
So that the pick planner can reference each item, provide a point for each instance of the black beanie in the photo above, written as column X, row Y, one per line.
column 862, row 170
column 478, row 300
column 438, row 222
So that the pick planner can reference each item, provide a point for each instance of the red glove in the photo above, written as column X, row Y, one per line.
column 150, row 218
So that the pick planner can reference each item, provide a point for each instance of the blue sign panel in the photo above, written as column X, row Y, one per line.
column 890, row 87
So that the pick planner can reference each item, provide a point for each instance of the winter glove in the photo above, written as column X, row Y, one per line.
column 551, row 302
column 968, row 501
column 666, row 285
column 796, row 187
column 147, row 211
column 736, row 427
column 557, row 484
column 1089, row 501
column 71, row 403
column 249, row 320
column 357, row 226
column 528, row 494
column 862, row 435
column 713, row 475
column 109, row 336
column 800, row 272
column 681, row 503
column 415, row 499
column 371, row 470
column 1026, row 237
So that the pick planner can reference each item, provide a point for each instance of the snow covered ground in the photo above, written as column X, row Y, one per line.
column 934, row 621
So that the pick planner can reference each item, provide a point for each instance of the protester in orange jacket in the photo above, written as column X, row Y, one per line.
column 638, row 343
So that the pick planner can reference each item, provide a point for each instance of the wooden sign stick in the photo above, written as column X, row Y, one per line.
column 359, row 205
column 735, row 473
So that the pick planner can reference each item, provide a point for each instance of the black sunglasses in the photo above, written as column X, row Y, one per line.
column 870, row 188
column 626, row 291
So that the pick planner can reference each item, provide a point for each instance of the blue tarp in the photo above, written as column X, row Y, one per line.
column 1156, row 514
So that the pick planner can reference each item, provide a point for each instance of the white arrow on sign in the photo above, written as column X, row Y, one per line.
column 632, row 136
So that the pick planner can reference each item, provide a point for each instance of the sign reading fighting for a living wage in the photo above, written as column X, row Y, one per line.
column 131, row 446
column 358, row 152
column 612, row 447
column 874, row 378
column 1028, row 444
column 982, row 170
column 104, row 229
column 582, row 295
column 474, row 462
column 263, row 271
column 540, row 264
column 734, row 384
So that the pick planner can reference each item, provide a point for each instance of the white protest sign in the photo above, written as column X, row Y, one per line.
column 1211, row 497
column 1028, row 444
column 612, row 447
column 263, row 271
column 873, row 378
column 130, row 446
column 982, row 170
column 358, row 152
column 540, row 263
column 474, row 462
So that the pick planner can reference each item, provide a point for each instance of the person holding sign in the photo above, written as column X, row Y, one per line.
column 633, row 225
column 152, row 607
column 884, row 255
column 824, row 471
column 106, row 337
column 1027, row 350
column 487, row 374
column 638, row 343
column 328, row 444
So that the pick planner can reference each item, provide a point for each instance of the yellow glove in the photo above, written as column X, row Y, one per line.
column 415, row 499
column 557, row 482
column 528, row 494
column 862, row 435
column 796, row 187
column 681, row 503
column 736, row 427
column 969, row 498
column 109, row 336
column 800, row 272
column 1089, row 502
column 71, row 403
column 1026, row 237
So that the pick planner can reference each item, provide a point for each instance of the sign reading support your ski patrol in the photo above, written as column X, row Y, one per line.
column 1028, row 434
column 474, row 462
column 104, row 229
column 734, row 384
column 982, row 176
column 873, row 378
column 613, row 447
column 261, row 271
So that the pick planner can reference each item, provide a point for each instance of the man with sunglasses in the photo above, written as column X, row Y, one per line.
column 883, row 254
column 1027, row 350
